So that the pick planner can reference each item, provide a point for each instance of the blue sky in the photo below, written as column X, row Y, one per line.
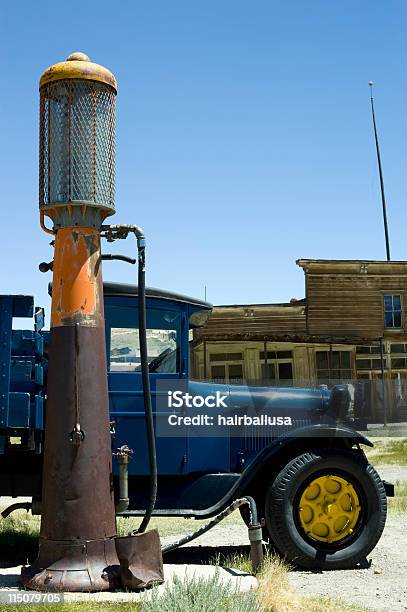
column 244, row 136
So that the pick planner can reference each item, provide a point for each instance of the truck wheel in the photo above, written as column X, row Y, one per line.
column 326, row 509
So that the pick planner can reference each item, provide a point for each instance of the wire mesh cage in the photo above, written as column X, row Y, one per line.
column 77, row 144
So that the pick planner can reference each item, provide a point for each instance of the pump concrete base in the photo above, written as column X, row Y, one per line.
column 83, row 565
column 239, row 581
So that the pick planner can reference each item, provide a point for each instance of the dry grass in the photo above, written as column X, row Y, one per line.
column 19, row 537
column 275, row 593
column 388, row 451
column 398, row 503
column 76, row 606
column 172, row 526
column 391, row 451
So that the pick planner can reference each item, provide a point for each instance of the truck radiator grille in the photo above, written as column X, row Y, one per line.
column 258, row 437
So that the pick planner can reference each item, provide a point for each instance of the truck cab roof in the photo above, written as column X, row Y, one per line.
column 120, row 289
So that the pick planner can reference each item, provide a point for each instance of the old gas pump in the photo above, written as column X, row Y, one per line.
column 78, row 548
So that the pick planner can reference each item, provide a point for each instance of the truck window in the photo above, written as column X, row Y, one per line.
column 125, row 350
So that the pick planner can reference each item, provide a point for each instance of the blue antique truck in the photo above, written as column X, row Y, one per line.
column 293, row 450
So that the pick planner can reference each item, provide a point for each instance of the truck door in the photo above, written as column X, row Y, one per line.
column 165, row 322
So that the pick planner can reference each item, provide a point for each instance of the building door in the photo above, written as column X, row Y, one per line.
column 285, row 373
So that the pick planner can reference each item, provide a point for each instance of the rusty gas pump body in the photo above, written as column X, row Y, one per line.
column 77, row 182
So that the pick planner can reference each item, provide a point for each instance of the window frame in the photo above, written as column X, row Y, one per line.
column 121, row 311
column 392, row 294
column 274, row 359
column 225, row 364
column 114, row 360
column 329, row 370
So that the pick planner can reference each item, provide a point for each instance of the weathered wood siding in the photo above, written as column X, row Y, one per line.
column 346, row 298
column 252, row 322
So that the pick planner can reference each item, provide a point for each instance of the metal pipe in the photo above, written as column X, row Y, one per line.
column 265, row 359
column 17, row 506
column 204, row 361
column 384, row 394
column 120, row 232
column 379, row 163
column 254, row 531
column 43, row 226
column 145, row 376
column 124, row 454
column 256, row 546
column 109, row 257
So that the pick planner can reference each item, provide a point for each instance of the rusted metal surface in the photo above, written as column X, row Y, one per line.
column 78, row 66
column 124, row 455
column 256, row 546
column 77, row 493
column 78, row 515
column 74, row 566
column 77, row 284
column 141, row 562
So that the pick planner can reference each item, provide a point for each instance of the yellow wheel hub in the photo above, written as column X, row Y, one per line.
column 329, row 509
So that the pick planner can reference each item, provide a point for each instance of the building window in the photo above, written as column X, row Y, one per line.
column 333, row 365
column 277, row 369
column 399, row 363
column 368, row 357
column 368, row 349
column 226, row 357
column 276, row 355
column 398, row 348
column 370, row 364
column 398, row 356
column 268, row 372
column 235, row 372
column 226, row 372
column 218, row 372
column 285, row 374
column 392, row 312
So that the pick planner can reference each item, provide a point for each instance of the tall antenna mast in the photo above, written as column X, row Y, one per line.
column 379, row 163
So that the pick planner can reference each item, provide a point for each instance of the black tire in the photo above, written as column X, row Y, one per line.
column 282, row 510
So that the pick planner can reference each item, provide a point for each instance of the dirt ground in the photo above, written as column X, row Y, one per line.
column 380, row 586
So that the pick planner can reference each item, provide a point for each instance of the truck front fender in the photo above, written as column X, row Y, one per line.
column 281, row 449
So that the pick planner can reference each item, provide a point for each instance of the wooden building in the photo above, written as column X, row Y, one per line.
column 350, row 327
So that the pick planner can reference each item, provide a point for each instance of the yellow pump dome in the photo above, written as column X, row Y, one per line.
column 78, row 66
